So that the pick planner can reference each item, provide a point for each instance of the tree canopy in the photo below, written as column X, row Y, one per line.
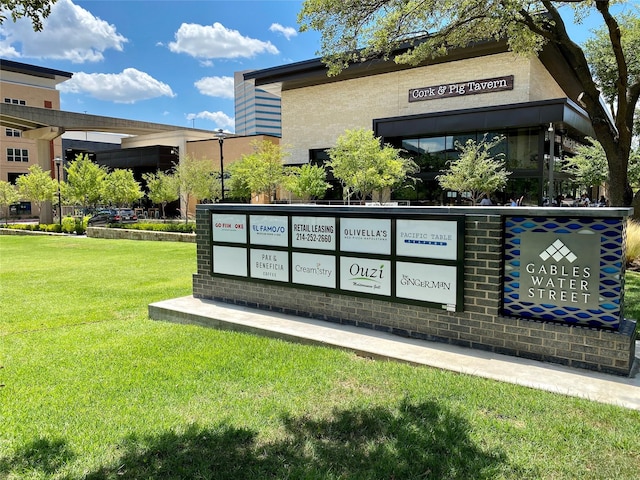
column 120, row 188
column 476, row 171
column 195, row 178
column 162, row 187
column 260, row 172
column 355, row 31
column 363, row 165
column 8, row 196
column 307, row 181
column 37, row 186
column 84, row 181
column 35, row 10
column 588, row 166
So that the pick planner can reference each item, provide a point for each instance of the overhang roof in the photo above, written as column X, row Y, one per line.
column 34, row 70
column 314, row 71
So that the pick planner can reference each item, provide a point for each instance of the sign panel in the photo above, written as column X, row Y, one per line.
column 231, row 228
column 427, row 239
column 269, row 230
column 426, row 283
column 365, row 235
column 318, row 233
column 365, row 275
column 230, row 260
column 270, row 265
column 314, row 270
column 470, row 87
column 560, row 269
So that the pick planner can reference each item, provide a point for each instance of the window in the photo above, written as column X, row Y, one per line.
column 523, row 149
column 17, row 155
column 12, row 132
column 13, row 177
column 15, row 101
column 48, row 104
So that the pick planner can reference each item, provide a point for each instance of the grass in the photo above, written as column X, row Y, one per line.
column 93, row 389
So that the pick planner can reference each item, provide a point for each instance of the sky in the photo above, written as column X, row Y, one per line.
column 161, row 61
column 164, row 61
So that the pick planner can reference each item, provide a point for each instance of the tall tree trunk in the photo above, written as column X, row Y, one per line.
column 620, row 192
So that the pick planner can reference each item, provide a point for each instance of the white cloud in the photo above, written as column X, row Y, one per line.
column 220, row 119
column 287, row 32
column 130, row 86
column 216, row 86
column 69, row 33
column 217, row 41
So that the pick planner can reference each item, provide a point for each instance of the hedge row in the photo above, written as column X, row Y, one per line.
column 159, row 227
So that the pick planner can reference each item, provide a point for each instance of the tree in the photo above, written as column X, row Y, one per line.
column 476, row 170
column 85, row 181
column 589, row 165
column 194, row 179
column 363, row 165
column 237, row 183
column 8, row 196
column 307, row 181
column 35, row 10
column 354, row 31
column 120, row 188
column 634, row 170
column 162, row 189
column 37, row 186
column 260, row 172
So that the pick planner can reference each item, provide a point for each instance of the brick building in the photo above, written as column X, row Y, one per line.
column 427, row 109
column 34, row 86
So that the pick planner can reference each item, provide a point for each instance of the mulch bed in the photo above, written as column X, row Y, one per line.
column 633, row 266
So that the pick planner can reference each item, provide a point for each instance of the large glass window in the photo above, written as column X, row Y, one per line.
column 519, row 149
column 523, row 149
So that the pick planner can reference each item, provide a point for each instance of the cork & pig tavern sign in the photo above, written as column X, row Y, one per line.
column 471, row 87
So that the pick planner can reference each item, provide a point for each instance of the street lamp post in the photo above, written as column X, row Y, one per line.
column 552, row 140
column 220, row 135
column 58, row 161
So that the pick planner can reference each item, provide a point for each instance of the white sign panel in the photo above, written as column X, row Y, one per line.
column 269, row 230
column 365, row 235
column 230, row 260
column 365, row 275
column 315, row 270
column 427, row 239
column 270, row 265
column 318, row 233
column 230, row 228
column 427, row 283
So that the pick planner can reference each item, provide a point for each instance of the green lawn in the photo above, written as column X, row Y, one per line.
column 93, row 389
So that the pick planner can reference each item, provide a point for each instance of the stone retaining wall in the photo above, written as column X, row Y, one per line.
column 130, row 234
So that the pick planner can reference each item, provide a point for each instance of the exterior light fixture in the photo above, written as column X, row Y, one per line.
column 220, row 135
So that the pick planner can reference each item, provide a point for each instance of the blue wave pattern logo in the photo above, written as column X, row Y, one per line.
column 612, row 232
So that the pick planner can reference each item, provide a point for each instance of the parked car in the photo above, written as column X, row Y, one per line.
column 126, row 215
column 112, row 215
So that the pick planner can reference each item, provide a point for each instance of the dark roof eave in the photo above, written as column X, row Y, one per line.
column 33, row 70
column 314, row 71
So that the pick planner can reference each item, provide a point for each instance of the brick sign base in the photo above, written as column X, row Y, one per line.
column 480, row 324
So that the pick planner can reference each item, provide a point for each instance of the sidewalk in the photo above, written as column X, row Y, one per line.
column 599, row 387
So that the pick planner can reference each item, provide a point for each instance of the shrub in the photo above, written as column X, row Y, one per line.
column 633, row 241
column 68, row 224
column 52, row 227
column 81, row 226
column 163, row 227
